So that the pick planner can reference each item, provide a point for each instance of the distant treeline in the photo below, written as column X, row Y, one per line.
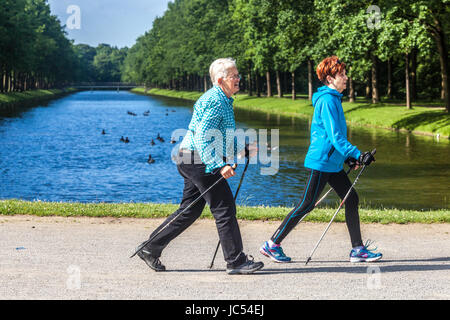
column 36, row 54
column 395, row 49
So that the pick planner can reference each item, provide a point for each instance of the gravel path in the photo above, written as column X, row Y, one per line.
column 88, row 258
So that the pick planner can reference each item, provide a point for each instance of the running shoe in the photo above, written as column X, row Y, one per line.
column 152, row 262
column 274, row 253
column 365, row 254
column 248, row 267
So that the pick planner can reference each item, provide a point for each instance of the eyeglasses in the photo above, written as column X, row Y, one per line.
column 235, row 77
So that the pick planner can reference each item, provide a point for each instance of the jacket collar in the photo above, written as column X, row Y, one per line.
column 223, row 95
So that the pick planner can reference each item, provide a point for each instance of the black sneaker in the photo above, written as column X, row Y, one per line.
column 152, row 262
column 247, row 267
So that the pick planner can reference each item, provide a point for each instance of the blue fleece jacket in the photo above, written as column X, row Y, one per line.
column 329, row 147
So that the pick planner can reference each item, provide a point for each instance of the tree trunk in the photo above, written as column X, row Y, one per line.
column 257, row 84
column 407, row 84
column 249, row 79
column 440, row 38
column 280, row 93
column 310, row 84
column 269, row 88
column 375, row 95
column 413, row 74
column 351, row 90
column 389, row 79
column 294, row 94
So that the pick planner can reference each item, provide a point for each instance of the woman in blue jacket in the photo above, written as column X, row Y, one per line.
column 328, row 150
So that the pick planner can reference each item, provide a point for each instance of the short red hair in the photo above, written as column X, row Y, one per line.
column 329, row 67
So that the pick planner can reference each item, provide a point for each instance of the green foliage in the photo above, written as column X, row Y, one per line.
column 35, row 53
column 283, row 35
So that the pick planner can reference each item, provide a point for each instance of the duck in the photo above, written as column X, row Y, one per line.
column 150, row 159
column 122, row 139
column 103, row 131
column 146, row 113
column 131, row 113
column 160, row 138
column 126, row 140
column 172, row 141
column 152, row 142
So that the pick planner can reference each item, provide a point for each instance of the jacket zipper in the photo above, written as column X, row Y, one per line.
column 331, row 152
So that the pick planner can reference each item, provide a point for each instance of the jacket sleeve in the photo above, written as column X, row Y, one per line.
column 335, row 132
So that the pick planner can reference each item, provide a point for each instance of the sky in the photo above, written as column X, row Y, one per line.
column 115, row 22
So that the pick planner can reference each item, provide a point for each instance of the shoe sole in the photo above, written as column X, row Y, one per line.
column 356, row 260
column 264, row 253
column 235, row 271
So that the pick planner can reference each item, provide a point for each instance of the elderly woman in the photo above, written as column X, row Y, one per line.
column 328, row 150
column 201, row 162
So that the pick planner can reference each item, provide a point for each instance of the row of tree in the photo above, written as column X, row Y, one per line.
column 396, row 49
column 36, row 54
column 103, row 63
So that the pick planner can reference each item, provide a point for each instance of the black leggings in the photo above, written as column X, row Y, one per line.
column 314, row 187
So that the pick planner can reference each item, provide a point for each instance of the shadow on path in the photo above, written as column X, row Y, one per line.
column 402, row 265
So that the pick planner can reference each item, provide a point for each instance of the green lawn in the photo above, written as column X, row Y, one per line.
column 16, row 97
column 424, row 118
column 155, row 210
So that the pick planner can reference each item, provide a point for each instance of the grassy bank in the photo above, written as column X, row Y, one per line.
column 12, row 99
column 421, row 119
column 155, row 210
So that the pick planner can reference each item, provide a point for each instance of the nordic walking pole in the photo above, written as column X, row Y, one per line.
column 235, row 196
column 340, row 206
column 190, row 205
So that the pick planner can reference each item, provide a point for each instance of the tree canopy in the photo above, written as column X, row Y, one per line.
column 396, row 49
column 35, row 52
column 387, row 47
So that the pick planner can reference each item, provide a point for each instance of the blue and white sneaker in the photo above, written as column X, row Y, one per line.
column 365, row 254
column 274, row 253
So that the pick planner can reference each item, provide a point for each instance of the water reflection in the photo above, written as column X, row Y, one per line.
column 57, row 152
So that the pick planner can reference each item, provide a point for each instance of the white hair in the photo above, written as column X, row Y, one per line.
column 219, row 69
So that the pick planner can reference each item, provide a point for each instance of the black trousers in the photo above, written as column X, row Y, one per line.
column 221, row 202
column 316, row 183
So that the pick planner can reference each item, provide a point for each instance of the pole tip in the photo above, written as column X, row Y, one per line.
column 307, row 260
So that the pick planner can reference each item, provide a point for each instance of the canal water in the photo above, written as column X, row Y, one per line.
column 71, row 150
